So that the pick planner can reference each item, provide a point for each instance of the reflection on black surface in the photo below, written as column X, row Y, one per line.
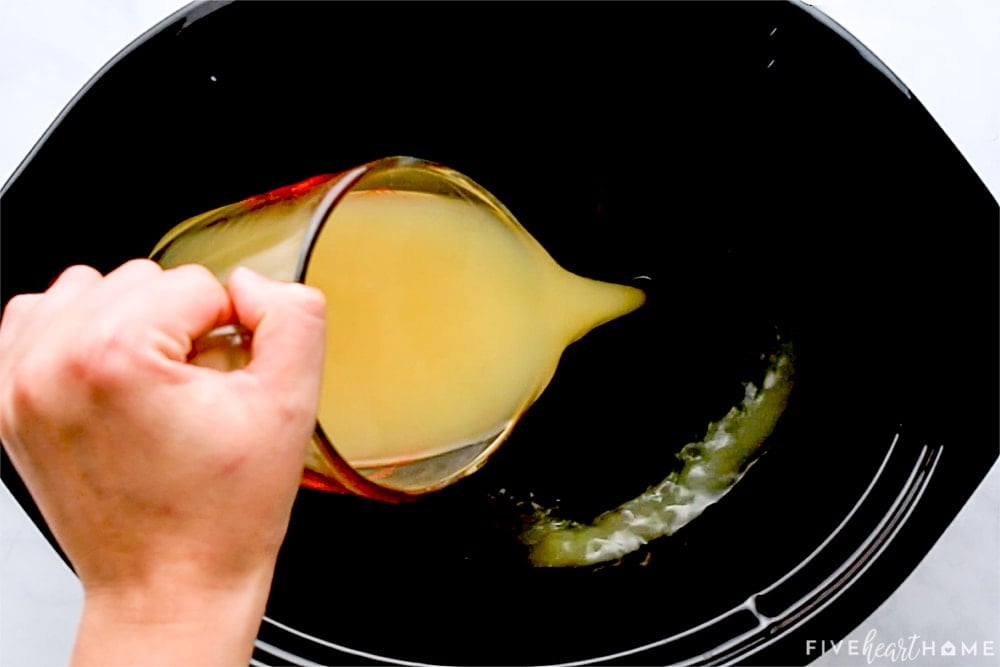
column 745, row 157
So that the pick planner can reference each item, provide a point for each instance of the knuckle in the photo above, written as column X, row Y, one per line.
column 141, row 264
column 18, row 306
column 135, row 271
column 197, row 272
column 29, row 386
column 293, row 411
column 195, row 277
column 22, row 389
column 75, row 274
column 102, row 359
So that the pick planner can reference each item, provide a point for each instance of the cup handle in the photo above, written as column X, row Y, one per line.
column 224, row 348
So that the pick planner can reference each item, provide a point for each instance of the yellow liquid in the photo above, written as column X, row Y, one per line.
column 444, row 324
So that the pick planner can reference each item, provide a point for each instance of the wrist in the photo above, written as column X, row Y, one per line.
column 172, row 622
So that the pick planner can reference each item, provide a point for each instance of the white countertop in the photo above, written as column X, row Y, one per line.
column 947, row 53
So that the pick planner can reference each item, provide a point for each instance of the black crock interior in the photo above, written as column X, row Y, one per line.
column 761, row 168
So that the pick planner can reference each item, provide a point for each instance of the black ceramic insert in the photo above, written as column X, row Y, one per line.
column 766, row 173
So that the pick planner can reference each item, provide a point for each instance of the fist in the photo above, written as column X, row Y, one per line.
column 146, row 467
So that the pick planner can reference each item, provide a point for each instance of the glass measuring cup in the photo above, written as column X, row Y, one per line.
column 445, row 318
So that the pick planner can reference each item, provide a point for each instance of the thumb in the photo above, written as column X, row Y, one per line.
column 288, row 321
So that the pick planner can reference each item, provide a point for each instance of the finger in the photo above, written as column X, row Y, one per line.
column 69, row 286
column 63, row 291
column 135, row 274
column 169, row 308
column 74, row 279
column 83, row 288
column 289, row 325
column 184, row 303
column 16, row 317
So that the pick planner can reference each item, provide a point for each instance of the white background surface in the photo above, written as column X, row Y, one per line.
column 947, row 53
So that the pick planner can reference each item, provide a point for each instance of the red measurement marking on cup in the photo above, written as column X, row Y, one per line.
column 287, row 192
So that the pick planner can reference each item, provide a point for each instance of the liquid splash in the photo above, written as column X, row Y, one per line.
column 711, row 467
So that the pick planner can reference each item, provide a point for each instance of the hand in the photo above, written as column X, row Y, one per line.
column 168, row 485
